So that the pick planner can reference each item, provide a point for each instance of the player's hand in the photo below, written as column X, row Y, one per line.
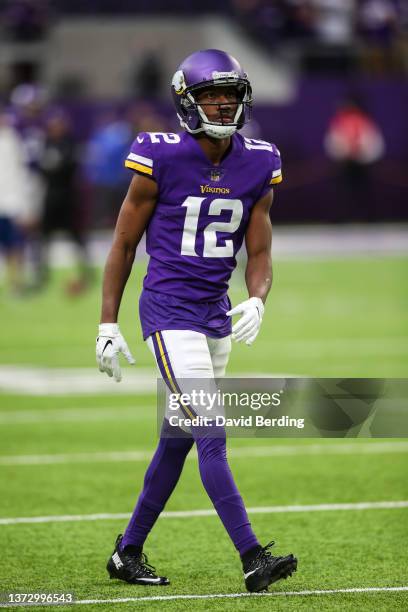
column 247, row 328
column 109, row 344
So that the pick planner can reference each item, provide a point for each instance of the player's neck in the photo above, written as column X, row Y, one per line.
column 214, row 148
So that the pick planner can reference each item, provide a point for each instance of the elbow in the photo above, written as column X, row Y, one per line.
column 263, row 257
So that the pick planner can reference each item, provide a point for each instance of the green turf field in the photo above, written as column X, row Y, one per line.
column 59, row 455
column 324, row 318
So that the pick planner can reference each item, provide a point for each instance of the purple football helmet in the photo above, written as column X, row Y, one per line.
column 205, row 69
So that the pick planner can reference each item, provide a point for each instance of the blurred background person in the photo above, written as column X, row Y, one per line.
column 378, row 27
column 334, row 42
column 13, row 200
column 354, row 142
column 58, row 165
column 146, row 73
column 104, row 152
column 28, row 107
column 28, row 103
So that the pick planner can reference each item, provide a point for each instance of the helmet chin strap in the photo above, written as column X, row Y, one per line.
column 184, row 125
column 218, row 131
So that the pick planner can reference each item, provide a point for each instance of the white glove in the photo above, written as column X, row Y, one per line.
column 247, row 328
column 109, row 344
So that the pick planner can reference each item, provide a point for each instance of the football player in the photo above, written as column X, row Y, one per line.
column 198, row 194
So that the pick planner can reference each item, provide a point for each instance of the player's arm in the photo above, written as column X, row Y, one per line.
column 258, row 273
column 135, row 213
column 258, row 240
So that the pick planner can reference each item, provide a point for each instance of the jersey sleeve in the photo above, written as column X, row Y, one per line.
column 276, row 176
column 140, row 158
column 273, row 164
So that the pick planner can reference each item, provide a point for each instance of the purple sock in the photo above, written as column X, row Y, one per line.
column 163, row 474
column 222, row 490
column 161, row 477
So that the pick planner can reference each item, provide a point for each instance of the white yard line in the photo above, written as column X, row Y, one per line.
column 236, row 595
column 69, row 518
column 31, row 380
column 15, row 460
column 36, row 380
column 278, row 450
column 26, row 380
column 76, row 415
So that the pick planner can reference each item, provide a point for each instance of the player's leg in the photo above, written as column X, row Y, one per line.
column 76, row 233
column 160, row 479
column 259, row 566
column 220, row 349
column 184, row 356
column 187, row 352
column 127, row 561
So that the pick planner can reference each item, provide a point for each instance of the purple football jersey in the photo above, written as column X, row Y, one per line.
column 202, row 210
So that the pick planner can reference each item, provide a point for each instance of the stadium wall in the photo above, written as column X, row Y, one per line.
column 102, row 53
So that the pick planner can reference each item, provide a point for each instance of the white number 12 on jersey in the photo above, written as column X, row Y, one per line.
column 193, row 205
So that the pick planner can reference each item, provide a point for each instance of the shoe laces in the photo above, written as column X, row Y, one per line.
column 265, row 548
column 141, row 562
column 145, row 562
column 265, row 554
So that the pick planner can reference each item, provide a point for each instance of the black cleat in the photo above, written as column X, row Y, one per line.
column 265, row 569
column 133, row 568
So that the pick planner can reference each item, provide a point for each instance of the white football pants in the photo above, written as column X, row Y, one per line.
column 191, row 354
column 182, row 357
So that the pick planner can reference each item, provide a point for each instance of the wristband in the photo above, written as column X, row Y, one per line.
column 109, row 329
